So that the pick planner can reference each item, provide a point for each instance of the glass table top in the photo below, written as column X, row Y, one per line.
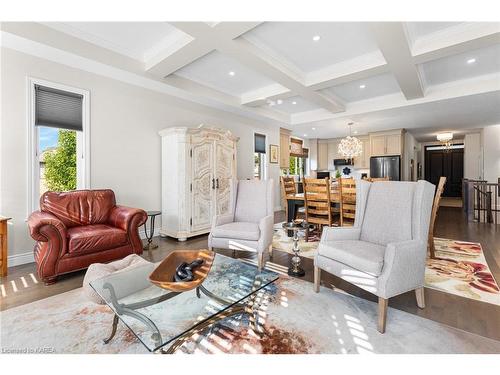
column 158, row 316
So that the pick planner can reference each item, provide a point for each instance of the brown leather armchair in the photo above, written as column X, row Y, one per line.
column 77, row 228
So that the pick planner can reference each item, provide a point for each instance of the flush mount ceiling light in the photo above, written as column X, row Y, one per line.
column 279, row 101
column 350, row 147
column 305, row 135
column 362, row 86
column 294, row 103
column 445, row 139
column 316, row 38
column 231, row 73
column 471, row 61
column 313, row 128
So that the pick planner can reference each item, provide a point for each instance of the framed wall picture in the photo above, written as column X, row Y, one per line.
column 274, row 154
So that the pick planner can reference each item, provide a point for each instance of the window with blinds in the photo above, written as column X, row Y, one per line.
column 58, row 109
column 260, row 143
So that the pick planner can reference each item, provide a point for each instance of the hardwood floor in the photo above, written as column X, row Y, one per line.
column 469, row 315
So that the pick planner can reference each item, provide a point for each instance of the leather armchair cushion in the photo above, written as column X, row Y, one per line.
column 238, row 230
column 80, row 207
column 92, row 238
column 363, row 256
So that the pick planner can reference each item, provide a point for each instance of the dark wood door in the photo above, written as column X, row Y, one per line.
column 445, row 163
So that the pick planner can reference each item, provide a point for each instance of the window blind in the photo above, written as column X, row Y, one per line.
column 58, row 109
column 260, row 143
column 296, row 147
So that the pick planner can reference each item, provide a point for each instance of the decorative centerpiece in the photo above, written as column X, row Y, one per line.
column 295, row 269
column 183, row 270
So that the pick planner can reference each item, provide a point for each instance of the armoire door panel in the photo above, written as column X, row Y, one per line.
column 224, row 169
column 202, row 191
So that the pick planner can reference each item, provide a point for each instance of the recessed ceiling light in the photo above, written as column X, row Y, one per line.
column 471, row 61
column 313, row 128
column 362, row 86
column 355, row 132
column 294, row 103
column 231, row 73
column 316, row 38
column 305, row 135
column 279, row 101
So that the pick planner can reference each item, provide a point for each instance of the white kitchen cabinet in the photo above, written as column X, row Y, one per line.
column 198, row 166
column 322, row 156
column 363, row 161
column 386, row 143
column 333, row 153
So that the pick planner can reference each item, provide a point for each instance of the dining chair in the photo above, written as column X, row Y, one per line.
column 435, row 207
column 288, row 190
column 348, row 201
column 317, row 202
column 335, row 200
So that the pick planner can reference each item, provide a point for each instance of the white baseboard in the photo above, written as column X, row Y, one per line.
column 19, row 259
column 278, row 208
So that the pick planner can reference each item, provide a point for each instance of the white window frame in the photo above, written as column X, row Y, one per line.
column 83, row 141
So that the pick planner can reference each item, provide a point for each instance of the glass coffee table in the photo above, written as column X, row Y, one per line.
column 163, row 320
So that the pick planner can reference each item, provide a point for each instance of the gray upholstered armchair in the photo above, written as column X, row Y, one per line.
column 385, row 251
column 249, row 224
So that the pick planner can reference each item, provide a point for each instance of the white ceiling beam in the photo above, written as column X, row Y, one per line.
column 191, row 49
column 167, row 63
column 254, row 58
column 468, row 87
column 393, row 42
column 459, row 39
column 360, row 67
column 205, row 91
column 274, row 91
column 246, row 53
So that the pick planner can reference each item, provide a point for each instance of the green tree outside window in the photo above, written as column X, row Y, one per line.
column 60, row 164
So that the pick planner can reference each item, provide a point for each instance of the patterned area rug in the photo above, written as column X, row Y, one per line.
column 460, row 267
column 294, row 319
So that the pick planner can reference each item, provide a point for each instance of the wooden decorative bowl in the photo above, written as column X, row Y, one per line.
column 163, row 275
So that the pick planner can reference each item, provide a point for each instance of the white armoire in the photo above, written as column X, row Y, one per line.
column 197, row 165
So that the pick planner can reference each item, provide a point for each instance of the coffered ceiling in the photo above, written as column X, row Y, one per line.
column 298, row 74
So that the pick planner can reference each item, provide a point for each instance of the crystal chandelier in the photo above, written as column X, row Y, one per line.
column 445, row 139
column 350, row 147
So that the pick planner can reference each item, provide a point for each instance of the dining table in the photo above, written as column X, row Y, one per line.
column 294, row 202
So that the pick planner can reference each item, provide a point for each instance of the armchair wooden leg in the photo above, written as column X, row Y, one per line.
column 260, row 260
column 420, row 297
column 317, row 278
column 382, row 314
column 270, row 251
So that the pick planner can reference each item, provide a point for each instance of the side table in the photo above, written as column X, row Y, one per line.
column 152, row 215
column 3, row 245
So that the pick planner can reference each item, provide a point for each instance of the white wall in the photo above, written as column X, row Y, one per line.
column 491, row 149
column 125, row 145
column 473, row 156
column 409, row 152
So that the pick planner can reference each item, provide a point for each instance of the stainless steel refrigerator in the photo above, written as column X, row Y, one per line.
column 386, row 166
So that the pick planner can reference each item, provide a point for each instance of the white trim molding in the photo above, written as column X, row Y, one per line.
column 20, row 259
column 83, row 157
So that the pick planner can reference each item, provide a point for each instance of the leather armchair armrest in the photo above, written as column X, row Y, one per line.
column 39, row 219
column 340, row 234
column 127, row 218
